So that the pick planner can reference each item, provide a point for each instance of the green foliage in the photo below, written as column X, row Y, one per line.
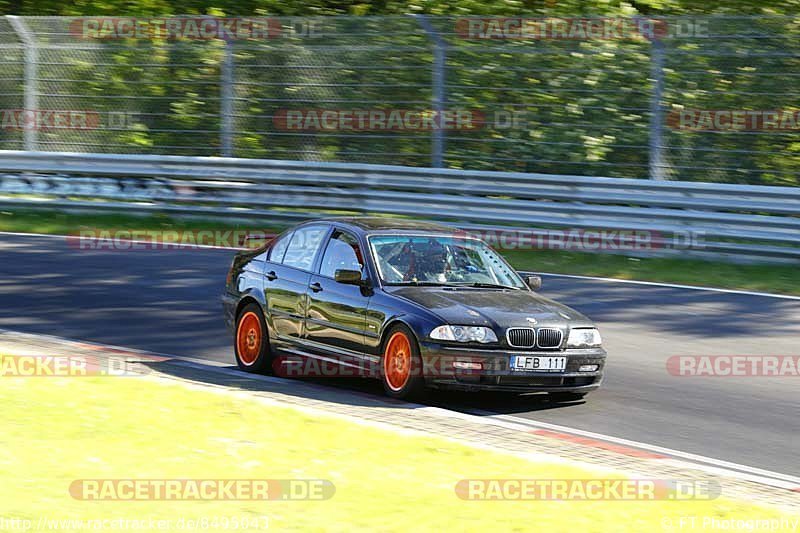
column 586, row 104
column 385, row 7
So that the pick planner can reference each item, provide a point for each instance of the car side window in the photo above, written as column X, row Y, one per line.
column 303, row 247
column 278, row 249
column 342, row 253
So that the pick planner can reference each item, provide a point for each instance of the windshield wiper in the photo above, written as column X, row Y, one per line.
column 419, row 283
column 452, row 284
column 485, row 285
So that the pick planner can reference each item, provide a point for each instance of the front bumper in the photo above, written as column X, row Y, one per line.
column 496, row 375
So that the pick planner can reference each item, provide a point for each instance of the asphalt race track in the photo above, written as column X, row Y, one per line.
column 168, row 302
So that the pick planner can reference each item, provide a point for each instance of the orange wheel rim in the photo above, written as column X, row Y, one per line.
column 248, row 338
column 397, row 361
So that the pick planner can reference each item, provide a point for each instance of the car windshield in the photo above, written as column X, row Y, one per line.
column 440, row 260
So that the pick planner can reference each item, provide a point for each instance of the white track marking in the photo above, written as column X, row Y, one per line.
column 787, row 481
column 675, row 286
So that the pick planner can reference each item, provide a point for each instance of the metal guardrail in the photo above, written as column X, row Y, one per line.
column 741, row 220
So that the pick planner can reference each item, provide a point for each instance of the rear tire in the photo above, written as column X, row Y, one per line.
column 401, row 365
column 251, row 341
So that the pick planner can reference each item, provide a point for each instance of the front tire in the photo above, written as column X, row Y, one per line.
column 401, row 365
column 251, row 343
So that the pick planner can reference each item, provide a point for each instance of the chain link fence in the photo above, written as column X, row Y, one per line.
column 691, row 98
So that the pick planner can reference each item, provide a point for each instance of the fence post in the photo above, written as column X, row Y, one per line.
column 31, row 90
column 226, row 101
column 438, row 89
column 657, row 53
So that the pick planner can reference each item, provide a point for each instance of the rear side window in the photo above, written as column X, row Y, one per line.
column 303, row 247
column 278, row 249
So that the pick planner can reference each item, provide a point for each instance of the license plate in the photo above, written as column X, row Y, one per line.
column 538, row 363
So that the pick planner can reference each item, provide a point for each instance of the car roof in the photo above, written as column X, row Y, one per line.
column 371, row 224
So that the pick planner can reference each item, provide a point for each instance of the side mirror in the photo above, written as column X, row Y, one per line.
column 348, row 277
column 534, row 282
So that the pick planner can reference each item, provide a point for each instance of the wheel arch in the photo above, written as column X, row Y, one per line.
column 390, row 325
column 246, row 300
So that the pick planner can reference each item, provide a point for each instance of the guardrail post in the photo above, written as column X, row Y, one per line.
column 657, row 166
column 438, row 89
column 226, row 101
column 31, row 91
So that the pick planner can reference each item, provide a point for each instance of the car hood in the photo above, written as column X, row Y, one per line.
column 491, row 307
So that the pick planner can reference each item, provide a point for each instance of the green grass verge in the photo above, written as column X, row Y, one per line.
column 774, row 278
column 60, row 223
column 57, row 430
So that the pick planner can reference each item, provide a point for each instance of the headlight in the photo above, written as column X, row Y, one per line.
column 463, row 334
column 584, row 338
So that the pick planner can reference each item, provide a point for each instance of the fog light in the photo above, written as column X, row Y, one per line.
column 587, row 368
column 467, row 365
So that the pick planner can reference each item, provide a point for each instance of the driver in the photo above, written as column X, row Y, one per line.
column 431, row 261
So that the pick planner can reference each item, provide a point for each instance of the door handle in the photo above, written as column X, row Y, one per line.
column 271, row 275
column 316, row 287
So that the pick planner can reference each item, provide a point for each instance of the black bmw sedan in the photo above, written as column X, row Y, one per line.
column 413, row 304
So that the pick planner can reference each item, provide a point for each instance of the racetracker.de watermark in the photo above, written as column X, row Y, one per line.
column 202, row 489
column 579, row 28
column 48, row 119
column 319, row 119
column 732, row 120
column 72, row 366
column 434, row 366
column 64, row 119
column 587, row 489
column 590, row 240
column 139, row 240
column 731, row 366
column 191, row 28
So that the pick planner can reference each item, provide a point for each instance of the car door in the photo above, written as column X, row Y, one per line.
column 286, row 280
column 336, row 317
